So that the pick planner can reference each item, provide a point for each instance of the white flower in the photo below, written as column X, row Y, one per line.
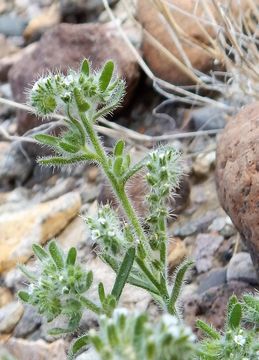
column 240, row 340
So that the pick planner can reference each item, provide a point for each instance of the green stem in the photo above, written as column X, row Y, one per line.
column 90, row 305
column 148, row 273
column 163, row 256
column 118, row 188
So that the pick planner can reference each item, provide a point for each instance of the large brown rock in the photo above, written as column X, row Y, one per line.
column 35, row 224
column 237, row 175
column 64, row 47
column 153, row 22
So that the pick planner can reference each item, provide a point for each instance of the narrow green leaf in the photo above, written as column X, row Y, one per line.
column 178, row 284
column 72, row 325
column 231, row 302
column 115, row 101
column 97, row 342
column 119, row 148
column 81, row 103
column 89, row 305
column 89, row 279
column 101, row 293
column 123, row 273
column 77, row 125
column 117, row 165
column 151, row 350
column 61, row 161
column 235, row 316
column 40, row 252
column 72, row 149
column 24, row 296
column 79, row 344
column 106, row 75
column 208, row 330
column 47, row 139
column 56, row 254
column 27, row 273
column 58, row 331
column 71, row 256
column 111, row 261
column 111, row 301
column 133, row 280
column 74, row 321
column 138, row 332
column 85, row 67
column 112, row 335
column 142, row 284
column 127, row 161
column 148, row 272
column 134, row 169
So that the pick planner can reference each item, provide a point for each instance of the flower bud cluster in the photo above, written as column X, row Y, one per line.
column 106, row 230
column 55, row 289
column 83, row 90
column 251, row 309
column 128, row 336
column 163, row 177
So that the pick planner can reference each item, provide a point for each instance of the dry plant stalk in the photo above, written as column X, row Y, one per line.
column 229, row 35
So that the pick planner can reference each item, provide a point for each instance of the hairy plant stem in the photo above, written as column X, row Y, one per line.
column 90, row 305
column 117, row 187
column 119, row 190
column 163, row 256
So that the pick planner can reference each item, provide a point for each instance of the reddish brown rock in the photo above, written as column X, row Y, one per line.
column 237, row 175
column 211, row 305
column 64, row 47
column 153, row 22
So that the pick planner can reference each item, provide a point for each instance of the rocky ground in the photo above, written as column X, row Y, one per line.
column 38, row 204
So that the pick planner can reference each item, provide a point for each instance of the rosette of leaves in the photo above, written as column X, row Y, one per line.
column 236, row 342
column 128, row 336
column 60, row 286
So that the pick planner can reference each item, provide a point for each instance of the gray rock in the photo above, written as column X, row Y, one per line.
column 29, row 322
column 224, row 226
column 88, row 355
column 9, row 316
column 208, row 118
column 215, row 277
column 218, row 224
column 62, row 187
column 12, row 25
column 241, row 268
column 15, row 165
column 206, row 246
column 194, row 226
column 228, row 231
